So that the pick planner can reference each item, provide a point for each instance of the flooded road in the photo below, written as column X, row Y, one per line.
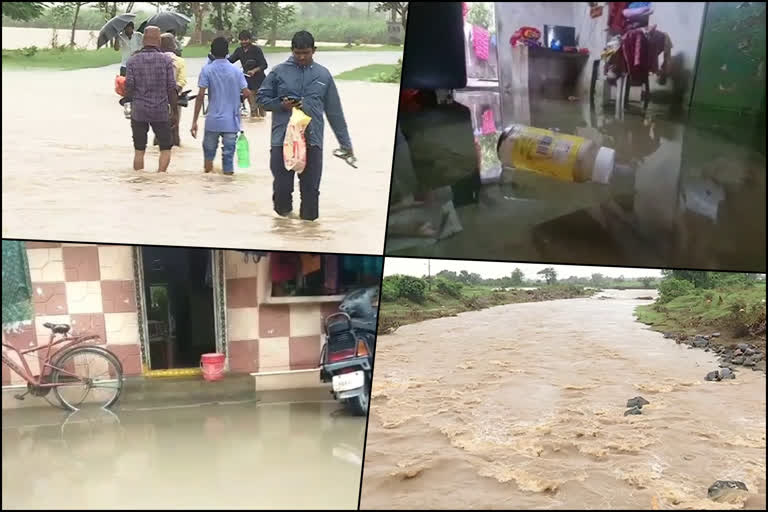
column 67, row 170
column 522, row 406
column 236, row 456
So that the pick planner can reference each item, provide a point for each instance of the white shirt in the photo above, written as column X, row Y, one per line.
column 129, row 46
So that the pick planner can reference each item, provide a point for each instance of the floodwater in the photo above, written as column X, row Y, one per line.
column 234, row 456
column 679, row 197
column 67, row 170
column 522, row 406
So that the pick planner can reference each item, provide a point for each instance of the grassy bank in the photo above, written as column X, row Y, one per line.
column 370, row 73
column 437, row 303
column 738, row 313
column 69, row 58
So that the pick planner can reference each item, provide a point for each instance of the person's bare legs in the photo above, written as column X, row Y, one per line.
column 138, row 160
column 208, row 165
column 165, row 160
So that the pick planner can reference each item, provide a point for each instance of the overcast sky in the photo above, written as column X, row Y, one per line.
column 418, row 267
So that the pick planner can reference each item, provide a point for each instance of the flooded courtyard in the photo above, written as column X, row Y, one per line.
column 239, row 455
column 67, row 169
column 522, row 406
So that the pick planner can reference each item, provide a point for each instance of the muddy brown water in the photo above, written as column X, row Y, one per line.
column 246, row 455
column 521, row 406
column 67, row 170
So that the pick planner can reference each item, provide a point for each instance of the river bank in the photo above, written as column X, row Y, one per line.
column 437, row 304
column 729, row 322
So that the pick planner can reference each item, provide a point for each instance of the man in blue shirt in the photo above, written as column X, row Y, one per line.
column 301, row 82
column 224, row 83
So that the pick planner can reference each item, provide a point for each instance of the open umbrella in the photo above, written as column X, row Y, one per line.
column 113, row 27
column 166, row 21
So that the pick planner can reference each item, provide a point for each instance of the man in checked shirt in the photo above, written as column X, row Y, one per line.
column 151, row 82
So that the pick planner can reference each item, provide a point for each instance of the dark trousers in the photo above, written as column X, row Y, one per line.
column 309, row 183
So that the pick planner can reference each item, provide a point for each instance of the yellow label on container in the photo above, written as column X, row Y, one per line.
column 546, row 152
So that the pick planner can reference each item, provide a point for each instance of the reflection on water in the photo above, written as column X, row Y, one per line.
column 531, row 416
column 679, row 196
column 242, row 455
column 67, row 162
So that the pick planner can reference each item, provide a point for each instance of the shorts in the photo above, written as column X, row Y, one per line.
column 162, row 130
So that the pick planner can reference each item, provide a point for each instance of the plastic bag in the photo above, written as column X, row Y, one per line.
column 295, row 144
column 120, row 85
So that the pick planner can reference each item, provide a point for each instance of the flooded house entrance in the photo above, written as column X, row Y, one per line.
column 178, row 288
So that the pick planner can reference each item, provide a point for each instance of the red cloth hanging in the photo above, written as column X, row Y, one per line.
column 616, row 20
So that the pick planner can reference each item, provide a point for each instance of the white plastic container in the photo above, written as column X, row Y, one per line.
column 561, row 156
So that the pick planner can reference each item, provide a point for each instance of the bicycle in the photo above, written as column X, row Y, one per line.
column 59, row 370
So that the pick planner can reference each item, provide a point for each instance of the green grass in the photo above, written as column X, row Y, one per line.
column 735, row 311
column 393, row 314
column 68, row 58
column 65, row 58
column 367, row 73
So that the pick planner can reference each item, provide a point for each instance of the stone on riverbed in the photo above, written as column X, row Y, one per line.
column 727, row 491
column 700, row 342
column 737, row 360
column 726, row 373
column 715, row 334
column 633, row 411
column 714, row 375
column 742, row 346
column 638, row 402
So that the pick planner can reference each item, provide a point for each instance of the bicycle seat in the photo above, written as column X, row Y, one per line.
column 57, row 328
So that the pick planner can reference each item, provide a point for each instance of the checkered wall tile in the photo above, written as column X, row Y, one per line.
column 88, row 286
column 269, row 337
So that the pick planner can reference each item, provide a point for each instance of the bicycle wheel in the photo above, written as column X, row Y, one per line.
column 87, row 375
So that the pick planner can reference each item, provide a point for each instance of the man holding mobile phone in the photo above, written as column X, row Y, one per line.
column 302, row 83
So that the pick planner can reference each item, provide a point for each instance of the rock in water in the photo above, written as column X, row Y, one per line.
column 712, row 376
column 715, row 334
column 726, row 373
column 749, row 362
column 738, row 360
column 634, row 410
column 742, row 347
column 727, row 491
column 638, row 402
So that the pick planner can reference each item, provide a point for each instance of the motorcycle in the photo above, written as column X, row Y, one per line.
column 346, row 359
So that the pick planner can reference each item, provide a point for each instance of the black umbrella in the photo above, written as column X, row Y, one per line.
column 113, row 27
column 166, row 21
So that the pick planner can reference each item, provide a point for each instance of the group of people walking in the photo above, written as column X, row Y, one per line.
column 156, row 75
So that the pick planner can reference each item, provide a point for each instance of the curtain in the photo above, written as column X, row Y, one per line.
column 17, row 285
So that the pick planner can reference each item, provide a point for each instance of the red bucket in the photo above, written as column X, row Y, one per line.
column 212, row 366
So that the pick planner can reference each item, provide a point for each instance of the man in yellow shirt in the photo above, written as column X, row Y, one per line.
column 168, row 46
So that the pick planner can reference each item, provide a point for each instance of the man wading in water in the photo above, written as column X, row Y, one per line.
column 301, row 82
column 151, row 84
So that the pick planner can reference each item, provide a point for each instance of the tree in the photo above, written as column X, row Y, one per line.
column 23, row 11
column 395, row 9
column 221, row 16
column 75, row 8
column 597, row 280
column 699, row 278
column 516, row 278
column 110, row 8
column 646, row 281
column 252, row 17
column 549, row 274
column 276, row 15
column 480, row 15
column 198, row 10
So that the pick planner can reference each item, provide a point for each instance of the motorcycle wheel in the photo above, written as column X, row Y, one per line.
column 359, row 404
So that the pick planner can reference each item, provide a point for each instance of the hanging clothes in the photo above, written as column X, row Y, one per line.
column 331, row 283
column 634, row 45
column 17, row 284
column 481, row 42
column 284, row 267
column 616, row 20
column 310, row 263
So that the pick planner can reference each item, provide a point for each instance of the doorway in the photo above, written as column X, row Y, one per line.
column 178, row 297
